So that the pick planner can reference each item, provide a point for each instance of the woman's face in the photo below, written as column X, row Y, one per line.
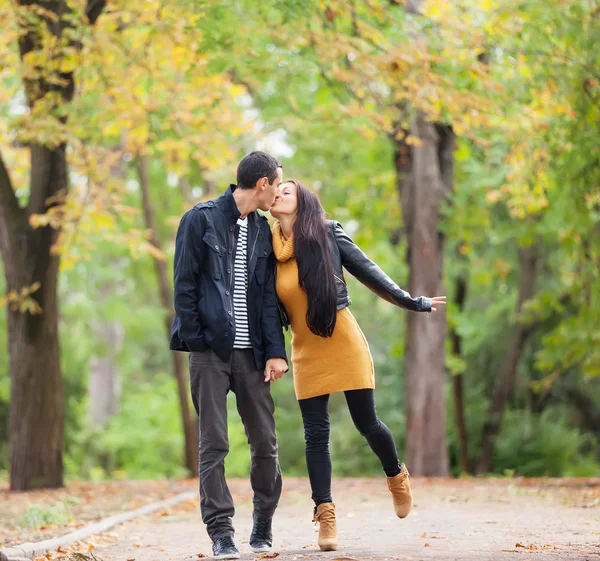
column 286, row 201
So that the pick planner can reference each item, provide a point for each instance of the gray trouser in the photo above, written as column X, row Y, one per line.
column 211, row 380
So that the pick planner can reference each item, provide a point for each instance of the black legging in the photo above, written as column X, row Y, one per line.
column 315, row 416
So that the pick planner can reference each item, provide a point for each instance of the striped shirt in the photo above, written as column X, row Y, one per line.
column 240, row 288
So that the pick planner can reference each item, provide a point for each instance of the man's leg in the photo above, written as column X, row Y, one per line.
column 210, row 384
column 256, row 408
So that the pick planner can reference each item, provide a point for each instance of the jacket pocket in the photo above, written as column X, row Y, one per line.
column 214, row 256
column 260, row 272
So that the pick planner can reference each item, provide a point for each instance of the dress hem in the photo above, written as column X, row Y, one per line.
column 349, row 388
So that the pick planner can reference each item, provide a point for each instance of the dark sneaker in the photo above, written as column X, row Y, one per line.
column 224, row 548
column 261, row 538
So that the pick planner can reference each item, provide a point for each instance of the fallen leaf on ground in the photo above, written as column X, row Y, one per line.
column 426, row 544
column 530, row 547
column 132, row 559
column 424, row 535
column 201, row 555
column 269, row 555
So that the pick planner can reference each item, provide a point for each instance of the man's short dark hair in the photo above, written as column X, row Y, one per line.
column 255, row 166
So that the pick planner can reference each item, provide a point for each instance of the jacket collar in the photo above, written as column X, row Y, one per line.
column 227, row 203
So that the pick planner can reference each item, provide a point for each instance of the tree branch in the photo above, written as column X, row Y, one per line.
column 504, row 383
column 94, row 9
column 414, row 7
column 12, row 215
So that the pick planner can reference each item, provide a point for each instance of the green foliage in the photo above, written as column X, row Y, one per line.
column 323, row 86
column 143, row 441
column 36, row 516
column 544, row 445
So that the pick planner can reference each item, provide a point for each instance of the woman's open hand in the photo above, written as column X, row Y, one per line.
column 437, row 301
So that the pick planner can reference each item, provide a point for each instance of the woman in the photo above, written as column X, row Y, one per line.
column 329, row 351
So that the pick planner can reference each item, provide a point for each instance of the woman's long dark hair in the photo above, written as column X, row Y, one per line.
column 315, row 266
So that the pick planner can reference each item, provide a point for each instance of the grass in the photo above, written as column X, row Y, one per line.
column 37, row 517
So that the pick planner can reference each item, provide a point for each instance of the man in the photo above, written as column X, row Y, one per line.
column 227, row 319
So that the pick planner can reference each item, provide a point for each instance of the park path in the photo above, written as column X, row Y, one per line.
column 451, row 520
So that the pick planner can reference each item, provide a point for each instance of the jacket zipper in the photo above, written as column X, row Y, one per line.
column 231, row 273
column 254, row 246
column 250, row 261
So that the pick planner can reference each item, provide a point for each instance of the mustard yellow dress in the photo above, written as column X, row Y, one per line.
column 321, row 365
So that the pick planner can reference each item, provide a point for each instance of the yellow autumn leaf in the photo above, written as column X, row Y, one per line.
column 493, row 196
column 413, row 140
column 103, row 221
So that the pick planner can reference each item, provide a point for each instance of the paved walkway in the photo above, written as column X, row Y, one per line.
column 451, row 520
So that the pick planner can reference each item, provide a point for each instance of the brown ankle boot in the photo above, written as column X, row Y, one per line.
column 324, row 514
column 399, row 486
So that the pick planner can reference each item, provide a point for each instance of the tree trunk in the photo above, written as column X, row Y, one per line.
column 424, row 180
column 457, row 382
column 185, row 189
column 505, row 382
column 104, row 386
column 190, row 426
column 36, row 404
column 210, row 189
column 587, row 408
column 104, row 383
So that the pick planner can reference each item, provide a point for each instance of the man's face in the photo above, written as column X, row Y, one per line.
column 269, row 191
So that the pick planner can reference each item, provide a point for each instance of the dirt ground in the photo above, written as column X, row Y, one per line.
column 74, row 506
column 451, row 520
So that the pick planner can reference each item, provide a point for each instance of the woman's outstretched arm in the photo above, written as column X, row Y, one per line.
column 370, row 274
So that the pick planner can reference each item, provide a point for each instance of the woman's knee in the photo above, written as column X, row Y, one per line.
column 368, row 427
column 316, row 433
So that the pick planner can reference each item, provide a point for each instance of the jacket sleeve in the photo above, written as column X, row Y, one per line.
column 189, row 256
column 271, row 321
column 369, row 274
